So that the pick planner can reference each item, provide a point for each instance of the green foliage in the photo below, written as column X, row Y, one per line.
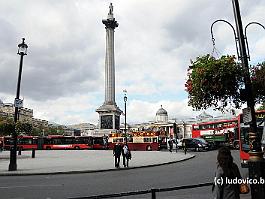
column 258, row 82
column 24, row 128
column 214, row 82
column 6, row 128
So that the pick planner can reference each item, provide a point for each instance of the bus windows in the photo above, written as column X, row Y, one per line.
column 25, row 141
column 56, row 141
column 68, row 140
column 118, row 140
column 129, row 139
column 147, row 139
column 155, row 139
column 98, row 140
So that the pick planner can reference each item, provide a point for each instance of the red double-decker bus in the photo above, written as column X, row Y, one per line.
column 243, row 131
column 219, row 132
column 139, row 141
column 23, row 142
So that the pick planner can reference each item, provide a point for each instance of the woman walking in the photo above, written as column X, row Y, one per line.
column 226, row 171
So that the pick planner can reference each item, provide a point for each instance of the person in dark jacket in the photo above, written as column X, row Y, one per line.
column 170, row 143
column 226, row 171
column 117, row 154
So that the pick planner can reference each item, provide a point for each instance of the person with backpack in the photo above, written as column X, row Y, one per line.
column 170, row 143
column 126, row 154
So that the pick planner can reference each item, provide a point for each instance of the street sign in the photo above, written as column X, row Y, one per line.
column 18, row 103
column 247, row 117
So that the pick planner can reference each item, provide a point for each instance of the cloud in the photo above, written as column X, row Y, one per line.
column 154, row 43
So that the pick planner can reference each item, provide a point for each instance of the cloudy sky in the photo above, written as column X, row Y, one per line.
column 63, row 73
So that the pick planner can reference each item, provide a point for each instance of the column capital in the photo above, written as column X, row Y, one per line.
column 110, row 23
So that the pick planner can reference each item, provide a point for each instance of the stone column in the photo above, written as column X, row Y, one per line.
column 110, row 25
column 109, row 112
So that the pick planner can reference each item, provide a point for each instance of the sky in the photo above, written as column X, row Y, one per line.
column 63, row 72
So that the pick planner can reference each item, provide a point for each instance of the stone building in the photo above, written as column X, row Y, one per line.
column 24, row 114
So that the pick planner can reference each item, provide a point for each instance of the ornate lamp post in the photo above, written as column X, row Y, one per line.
column 22, row 50
column 256, row 161
column 125, row 114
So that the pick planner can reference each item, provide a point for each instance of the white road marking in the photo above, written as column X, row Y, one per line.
column 28, row 186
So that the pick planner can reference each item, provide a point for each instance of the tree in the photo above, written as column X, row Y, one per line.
column 7, row 128
column 218, row 82
column 258, row 82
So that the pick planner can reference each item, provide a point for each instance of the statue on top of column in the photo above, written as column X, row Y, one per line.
column 110, row 9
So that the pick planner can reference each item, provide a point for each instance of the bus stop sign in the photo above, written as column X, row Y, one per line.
column 247, row 117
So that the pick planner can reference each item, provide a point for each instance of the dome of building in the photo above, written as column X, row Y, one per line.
column 161, row 115
column 161, row 111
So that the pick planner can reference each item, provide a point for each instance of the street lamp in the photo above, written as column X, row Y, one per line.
column 256, row 162
column 22, row 50
column 125, row 100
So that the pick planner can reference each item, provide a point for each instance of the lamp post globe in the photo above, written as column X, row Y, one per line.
column 22, row 50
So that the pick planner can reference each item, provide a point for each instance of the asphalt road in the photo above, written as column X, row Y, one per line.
column 197, row 170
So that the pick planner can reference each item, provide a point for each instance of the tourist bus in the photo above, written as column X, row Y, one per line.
column 217, row 132
column 24, row 142
column 139, row 141
column 243, row 131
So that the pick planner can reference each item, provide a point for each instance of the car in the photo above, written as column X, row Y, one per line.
column 197, row 144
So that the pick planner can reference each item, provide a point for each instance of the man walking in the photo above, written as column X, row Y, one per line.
column 170, row 143
column 184, row 146
column 126, row 155
column 117, row 153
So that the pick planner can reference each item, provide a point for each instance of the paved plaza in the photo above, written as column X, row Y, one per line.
column 77, row 161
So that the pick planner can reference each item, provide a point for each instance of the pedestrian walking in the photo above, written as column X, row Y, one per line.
column 126, row 155
column 170, row 144
column 184, row 146
column 117, row 150
column 1, row 145
column 226, row 171
column 105, row 142
column 176, row 142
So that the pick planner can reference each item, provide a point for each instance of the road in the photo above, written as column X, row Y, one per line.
column 197, row 170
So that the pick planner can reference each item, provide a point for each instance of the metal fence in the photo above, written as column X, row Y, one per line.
column 150, row 191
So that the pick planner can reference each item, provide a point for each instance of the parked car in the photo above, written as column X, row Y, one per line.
column 197, row 144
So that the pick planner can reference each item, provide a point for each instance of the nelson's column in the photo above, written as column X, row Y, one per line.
column 109, row 112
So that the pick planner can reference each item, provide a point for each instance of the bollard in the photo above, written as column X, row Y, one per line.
column 19, row 151
column 153, row 192
column 33, row 153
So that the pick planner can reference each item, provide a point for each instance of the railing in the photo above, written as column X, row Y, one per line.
column 152, row 191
